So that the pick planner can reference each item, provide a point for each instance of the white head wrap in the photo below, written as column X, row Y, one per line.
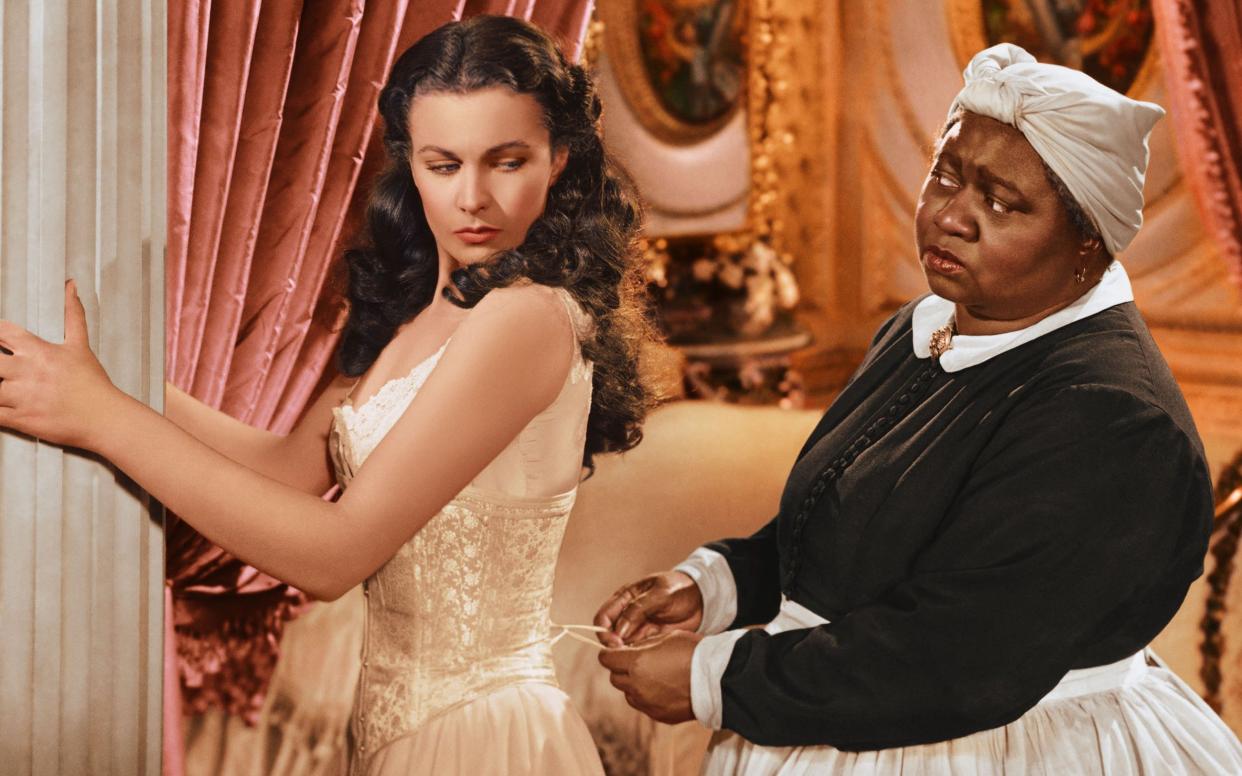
column 1093, row 137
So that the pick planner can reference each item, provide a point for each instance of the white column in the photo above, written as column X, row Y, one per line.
column 82, row 192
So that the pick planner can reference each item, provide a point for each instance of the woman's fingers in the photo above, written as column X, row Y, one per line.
column 9, row 367
column 75, row 317
column 620, row 681
column 607, row 615
column 638, row 611
column 7, row 400
column 638, row 615
column 618, row 661
column 10, row 364
column 609, row 639
column 647, row 631
column 14, row 337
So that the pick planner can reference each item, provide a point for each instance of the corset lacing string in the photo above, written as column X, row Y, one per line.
column 568, row 630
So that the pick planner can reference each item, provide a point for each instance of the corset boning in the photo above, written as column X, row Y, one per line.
column 460, row 611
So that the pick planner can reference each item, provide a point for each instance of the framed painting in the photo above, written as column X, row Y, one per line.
column 681, row 64
column 673, row 76
column 1109, row 40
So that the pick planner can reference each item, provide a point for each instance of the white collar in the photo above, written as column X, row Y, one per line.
column 967, row 351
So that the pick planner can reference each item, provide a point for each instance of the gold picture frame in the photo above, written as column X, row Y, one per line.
column 769, row 138
column 621, row 20
column 968, row 32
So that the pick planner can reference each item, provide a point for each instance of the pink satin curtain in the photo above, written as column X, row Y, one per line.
column 270, row 147
column 1201, row 41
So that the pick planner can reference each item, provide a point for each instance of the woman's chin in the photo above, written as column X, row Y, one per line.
column 943, row 286
column 467, row 255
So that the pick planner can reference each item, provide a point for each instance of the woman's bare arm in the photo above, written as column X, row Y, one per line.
column 299, row 460
column 507, row 362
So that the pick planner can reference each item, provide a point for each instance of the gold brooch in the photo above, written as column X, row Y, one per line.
column 942, row 339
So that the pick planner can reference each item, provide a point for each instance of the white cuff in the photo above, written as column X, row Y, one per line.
column 710, row 571
column 707, row 667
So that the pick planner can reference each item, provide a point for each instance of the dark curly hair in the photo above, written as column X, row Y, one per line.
column 585, row 241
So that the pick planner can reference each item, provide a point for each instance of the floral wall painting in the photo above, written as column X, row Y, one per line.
column 1110, row 40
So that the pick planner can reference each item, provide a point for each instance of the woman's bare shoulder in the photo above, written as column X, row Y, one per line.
column 528, row 305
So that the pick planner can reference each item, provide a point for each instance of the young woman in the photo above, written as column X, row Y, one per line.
column 490, row 353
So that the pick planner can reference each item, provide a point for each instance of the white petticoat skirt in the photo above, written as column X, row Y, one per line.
column 528, row 729
column 1128, row 718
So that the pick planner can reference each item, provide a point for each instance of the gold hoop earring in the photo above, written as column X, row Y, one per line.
column 1080, row 275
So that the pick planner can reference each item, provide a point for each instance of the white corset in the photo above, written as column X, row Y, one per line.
column 462, row 609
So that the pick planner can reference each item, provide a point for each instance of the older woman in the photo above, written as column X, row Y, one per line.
column 1004, row 506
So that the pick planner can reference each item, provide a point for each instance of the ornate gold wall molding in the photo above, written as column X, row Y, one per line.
column 786, row 127
column 800, row 128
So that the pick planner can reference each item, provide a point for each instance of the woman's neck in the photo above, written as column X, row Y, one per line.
column 445, row 277
column 978, row 323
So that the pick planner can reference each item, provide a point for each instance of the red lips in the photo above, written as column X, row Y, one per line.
column 476, row 235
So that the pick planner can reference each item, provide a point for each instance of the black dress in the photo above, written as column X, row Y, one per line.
column 971, row 536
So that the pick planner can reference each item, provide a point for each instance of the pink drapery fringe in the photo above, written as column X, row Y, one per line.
column 271, row 112
column 1201, row 44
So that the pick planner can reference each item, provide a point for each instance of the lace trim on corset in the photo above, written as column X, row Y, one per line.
column 396, row 393
column 373, row 417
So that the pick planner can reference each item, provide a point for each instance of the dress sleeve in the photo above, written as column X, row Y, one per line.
column 755, row 564
column 1085, row 510
column 710, row 571
column 755, row 560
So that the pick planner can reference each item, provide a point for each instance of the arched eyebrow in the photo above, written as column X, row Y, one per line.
column 512, row 145
column 943, row 155
column 997, row 180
